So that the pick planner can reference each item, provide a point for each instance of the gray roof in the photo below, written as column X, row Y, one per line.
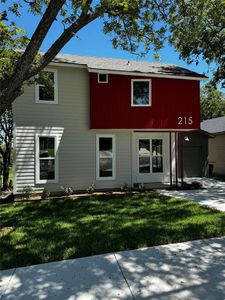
column 123, row 65
column 216, row 125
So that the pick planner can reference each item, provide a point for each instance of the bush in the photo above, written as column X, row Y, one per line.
column 27, row 192
column 45, row 194
column 67, row 190
column 124, row 187
column 91, row 188
column 141, row 187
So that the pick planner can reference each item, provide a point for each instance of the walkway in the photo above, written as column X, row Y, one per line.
column 213, row 194
column 191, row 270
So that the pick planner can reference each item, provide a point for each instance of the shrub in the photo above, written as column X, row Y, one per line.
column 67, row 190
column 91, row 188
column 27, row 192
column 45, row 194
column 141, row 187
column 124, row 187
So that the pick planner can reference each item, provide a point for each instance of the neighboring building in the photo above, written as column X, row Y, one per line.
column 107, row 121
column 216, row 156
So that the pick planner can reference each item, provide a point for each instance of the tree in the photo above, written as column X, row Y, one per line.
column 130, row 23
column 198, row 31
column 195, row 28
column 6, row 128
column 212, row 103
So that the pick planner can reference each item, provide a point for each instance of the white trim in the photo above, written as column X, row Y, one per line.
column 70, row 65
column 138, row 74
column 98, row 136
column 37, row 100
column 149, row 95
column 37, row 159
column 106, row 77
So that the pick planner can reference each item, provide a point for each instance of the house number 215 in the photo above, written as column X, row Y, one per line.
column 185, row 120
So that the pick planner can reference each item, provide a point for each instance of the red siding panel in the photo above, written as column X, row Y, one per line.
column 171, row 98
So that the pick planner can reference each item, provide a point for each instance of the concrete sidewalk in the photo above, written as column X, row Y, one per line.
column 191, row 270
column 213, row 194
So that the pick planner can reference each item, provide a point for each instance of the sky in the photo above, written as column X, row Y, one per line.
column 92, row 41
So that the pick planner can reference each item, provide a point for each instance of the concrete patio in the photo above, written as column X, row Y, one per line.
column 192, row 270
column 213, row 194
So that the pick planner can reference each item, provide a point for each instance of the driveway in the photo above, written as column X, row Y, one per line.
column 213, row 194
column 191, row 270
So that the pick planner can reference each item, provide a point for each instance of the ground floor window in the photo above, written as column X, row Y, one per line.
column 105, row 157
column 46, row 159
column 150, row 156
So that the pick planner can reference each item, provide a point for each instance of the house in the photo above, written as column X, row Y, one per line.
column 107, row 121
column 216, row 155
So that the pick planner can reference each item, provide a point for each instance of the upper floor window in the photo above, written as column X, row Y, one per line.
column 102, row 78
column 141, row 92
column 46, row 88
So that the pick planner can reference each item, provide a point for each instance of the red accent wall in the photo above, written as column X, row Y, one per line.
column 171, row 98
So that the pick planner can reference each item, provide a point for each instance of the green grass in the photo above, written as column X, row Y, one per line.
column 49, row 230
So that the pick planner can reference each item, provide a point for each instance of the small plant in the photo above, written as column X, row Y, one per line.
column 141, row 187
column 91, row 188
column 27, row 192
column 124, row 187
column 196, row 185
column 45, row 194
column 67, row 190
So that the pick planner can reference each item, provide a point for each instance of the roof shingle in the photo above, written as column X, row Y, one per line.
column 216, row 125
column 123, row 65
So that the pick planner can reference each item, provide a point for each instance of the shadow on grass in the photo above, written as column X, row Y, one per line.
column 59, row 229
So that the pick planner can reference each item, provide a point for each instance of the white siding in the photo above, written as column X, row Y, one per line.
column 69, row 119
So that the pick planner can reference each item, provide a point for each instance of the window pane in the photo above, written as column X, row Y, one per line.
column 47, row 147
column 144, row 147
column 140, row 92
column 105, row 146
column 105, row 167
column 102, row 77
column 46, row 93
column 47, row 169
column 157, row 164
column 144, row 164
column 46, row 90
column 156, row 147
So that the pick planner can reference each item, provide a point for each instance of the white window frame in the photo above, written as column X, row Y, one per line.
column 37, row 159
column 106, row 77
column 132, row 92
column 98, row 136
column 37, row 96
column 151, row 156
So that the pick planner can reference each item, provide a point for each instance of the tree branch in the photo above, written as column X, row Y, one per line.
column 32, row 49
column 81, row 22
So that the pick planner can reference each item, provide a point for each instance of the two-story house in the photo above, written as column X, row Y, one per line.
column 107, row 121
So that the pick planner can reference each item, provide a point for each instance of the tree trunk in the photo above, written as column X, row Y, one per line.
column 6, row 166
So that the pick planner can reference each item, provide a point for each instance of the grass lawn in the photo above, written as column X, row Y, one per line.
column 49, row 230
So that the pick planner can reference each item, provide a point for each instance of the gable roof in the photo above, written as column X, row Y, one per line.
column 96, row 64
column 216, row 125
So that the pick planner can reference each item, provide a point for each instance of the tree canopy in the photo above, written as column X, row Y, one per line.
column 195, row 27
column 212, row 103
